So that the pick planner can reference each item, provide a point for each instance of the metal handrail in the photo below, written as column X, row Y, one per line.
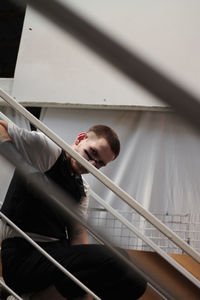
column 56, row 198
column 145, row 75
column 101, row 177
column 149, row 242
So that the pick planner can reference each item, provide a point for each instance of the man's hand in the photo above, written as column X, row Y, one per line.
column 4, row 124
column 4, row 136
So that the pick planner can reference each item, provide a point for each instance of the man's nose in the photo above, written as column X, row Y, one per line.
column 94, row 162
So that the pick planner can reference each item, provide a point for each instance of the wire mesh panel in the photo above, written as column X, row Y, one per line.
column 186, row 226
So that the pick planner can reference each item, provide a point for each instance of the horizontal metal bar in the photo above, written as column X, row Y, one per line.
column 100, row 176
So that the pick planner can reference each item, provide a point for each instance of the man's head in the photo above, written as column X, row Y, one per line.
column 99, row 146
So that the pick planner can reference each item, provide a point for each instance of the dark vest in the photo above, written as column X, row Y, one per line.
column 29, row 212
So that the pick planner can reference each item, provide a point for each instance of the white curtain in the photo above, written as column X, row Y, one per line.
column 159, row 160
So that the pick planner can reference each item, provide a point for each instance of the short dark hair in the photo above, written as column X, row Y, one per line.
column 109, row 134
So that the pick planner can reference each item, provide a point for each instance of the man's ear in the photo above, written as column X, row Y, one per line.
column 80, row 137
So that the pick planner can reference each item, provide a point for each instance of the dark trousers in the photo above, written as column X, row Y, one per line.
column 26, row 270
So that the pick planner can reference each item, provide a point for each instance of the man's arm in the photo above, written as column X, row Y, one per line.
column 33, row 146
column 4, row 136
column 77, row 234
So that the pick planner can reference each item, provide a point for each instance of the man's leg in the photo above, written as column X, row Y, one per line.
column 51, row 293
column 100, row 271
column 26, row 270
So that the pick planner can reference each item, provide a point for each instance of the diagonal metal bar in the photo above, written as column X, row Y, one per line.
column 124, row 60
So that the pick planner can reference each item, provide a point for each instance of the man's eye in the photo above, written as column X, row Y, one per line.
column 94, row 152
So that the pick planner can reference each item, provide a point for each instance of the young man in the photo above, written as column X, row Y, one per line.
column 25, row 270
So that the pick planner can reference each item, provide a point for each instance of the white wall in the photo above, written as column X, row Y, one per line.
column 53, row 68
column 6, row 84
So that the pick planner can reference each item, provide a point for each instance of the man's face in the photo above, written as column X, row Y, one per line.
column 95, row 150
